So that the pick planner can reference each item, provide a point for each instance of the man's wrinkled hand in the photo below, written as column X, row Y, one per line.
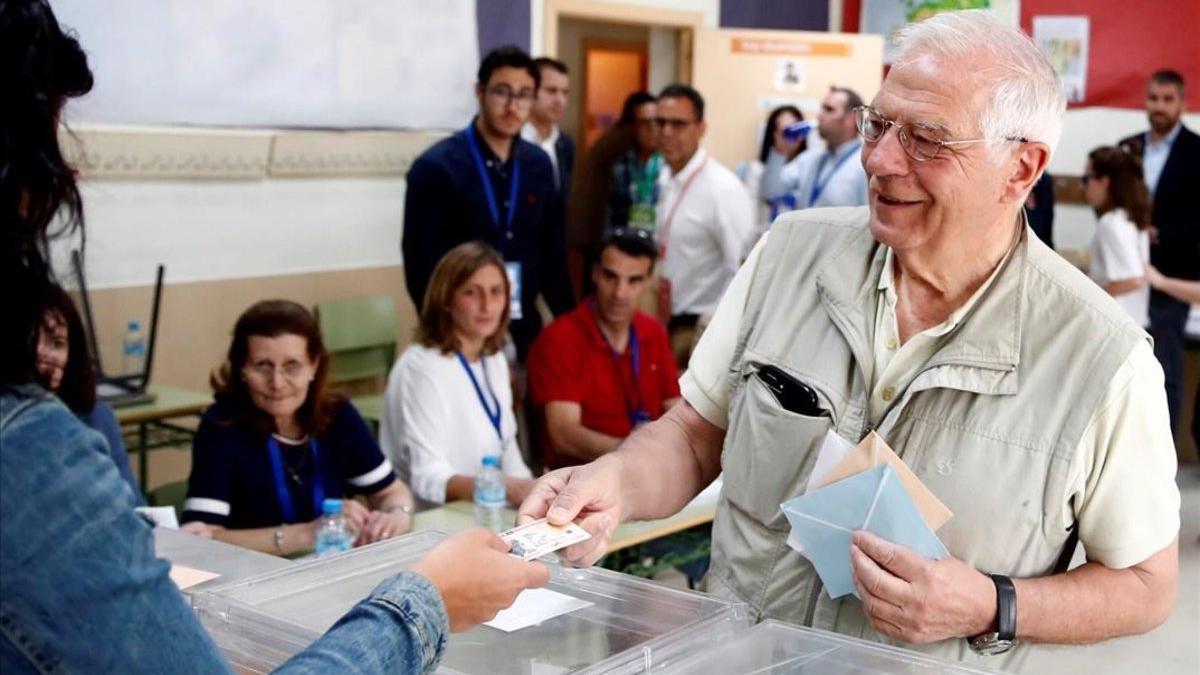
column 917, row 599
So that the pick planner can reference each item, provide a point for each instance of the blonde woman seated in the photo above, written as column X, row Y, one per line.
column 448, row 402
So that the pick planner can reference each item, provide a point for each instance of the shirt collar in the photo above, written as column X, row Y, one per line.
column 693, row 165
column 887, row 277
column 530, row 133
column 1167, row 140
column 843, row 147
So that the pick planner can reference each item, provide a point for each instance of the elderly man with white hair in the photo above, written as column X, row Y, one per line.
column 1016, row 390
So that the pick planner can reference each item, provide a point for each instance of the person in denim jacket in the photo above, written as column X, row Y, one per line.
column 80, row 588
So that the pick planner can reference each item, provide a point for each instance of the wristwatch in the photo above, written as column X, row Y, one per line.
column 1005, row 635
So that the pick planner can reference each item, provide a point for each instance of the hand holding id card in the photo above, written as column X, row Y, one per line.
column 534, row 540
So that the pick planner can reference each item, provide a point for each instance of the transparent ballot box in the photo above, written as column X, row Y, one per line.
column 775, row 648
column 259, row 622
column 232, row 563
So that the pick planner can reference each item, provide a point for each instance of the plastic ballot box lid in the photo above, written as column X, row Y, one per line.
column 262, row 621
column 776, row 648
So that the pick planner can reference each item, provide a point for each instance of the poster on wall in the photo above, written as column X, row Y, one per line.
column 885, row 17
column 789, row 74
column 1064, row 40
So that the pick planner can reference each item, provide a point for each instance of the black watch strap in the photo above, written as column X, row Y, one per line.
column 1006, row 607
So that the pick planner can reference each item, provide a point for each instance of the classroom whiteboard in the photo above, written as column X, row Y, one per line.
column 277, row 63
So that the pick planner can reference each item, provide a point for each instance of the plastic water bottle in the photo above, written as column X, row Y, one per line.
column 490, row 495
column 333, row 533
column 797, row 130
column 133, row 350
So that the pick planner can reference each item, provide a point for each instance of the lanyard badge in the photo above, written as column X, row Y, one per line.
column 490, row 408
column 281, row 489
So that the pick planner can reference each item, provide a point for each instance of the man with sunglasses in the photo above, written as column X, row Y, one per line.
column 486, row 183
column 704, row 219
column 605, row 369
column 1015, row 389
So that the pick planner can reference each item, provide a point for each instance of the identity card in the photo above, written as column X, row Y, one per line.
column 534, row 540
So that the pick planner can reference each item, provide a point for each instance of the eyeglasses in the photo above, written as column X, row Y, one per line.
column 293, row 371
column 648, row 122
column 672, row 123
column 922, row 142
column 502, row 92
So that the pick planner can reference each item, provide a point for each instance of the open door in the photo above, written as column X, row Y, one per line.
column 611, row 71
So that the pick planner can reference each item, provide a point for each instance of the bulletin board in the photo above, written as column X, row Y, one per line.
column 743, row 74
column 1127, row 42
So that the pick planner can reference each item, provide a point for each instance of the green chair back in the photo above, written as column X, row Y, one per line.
column 360, row 334
column 170, row 494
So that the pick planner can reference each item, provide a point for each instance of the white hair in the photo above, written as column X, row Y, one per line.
column 1026, row 99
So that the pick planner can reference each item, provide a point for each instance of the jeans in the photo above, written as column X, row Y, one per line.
column 81, row 590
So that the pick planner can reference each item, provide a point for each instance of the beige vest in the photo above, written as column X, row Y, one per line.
column 991, row 424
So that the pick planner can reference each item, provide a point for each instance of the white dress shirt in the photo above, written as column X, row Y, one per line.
column 434, row 426
column 1154, row 157
column 707, row 220
column 530, row 133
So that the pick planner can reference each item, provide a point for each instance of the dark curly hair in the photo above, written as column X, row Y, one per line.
column 78, row 387
column 40, row 68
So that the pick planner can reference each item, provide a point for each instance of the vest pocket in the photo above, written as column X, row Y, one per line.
column 768, row 453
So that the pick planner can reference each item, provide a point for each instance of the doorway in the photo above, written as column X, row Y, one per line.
column 611, row 71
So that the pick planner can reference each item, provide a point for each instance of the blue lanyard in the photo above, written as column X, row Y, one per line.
column 635, row 409
column 819, row 187
column 492, row 415
column 513, row 183
column 281, row 488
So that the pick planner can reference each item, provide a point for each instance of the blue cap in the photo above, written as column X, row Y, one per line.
column 134, row 325
column 491, row 460
column 331, row 506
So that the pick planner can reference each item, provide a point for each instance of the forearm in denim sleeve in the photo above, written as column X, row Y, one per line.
column 400, row 627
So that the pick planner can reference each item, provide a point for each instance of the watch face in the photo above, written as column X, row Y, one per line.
column 990, row 644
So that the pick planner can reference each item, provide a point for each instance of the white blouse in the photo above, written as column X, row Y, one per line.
column 1119, row 251
column 434, row 425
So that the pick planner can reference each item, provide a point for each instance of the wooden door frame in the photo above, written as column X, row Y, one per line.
column 628, row 46
column 687, row 23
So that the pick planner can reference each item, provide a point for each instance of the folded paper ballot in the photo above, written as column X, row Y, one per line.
column 873, row 500
column 873, row 451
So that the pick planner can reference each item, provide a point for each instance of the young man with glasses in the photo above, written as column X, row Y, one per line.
column 1170, row 154
column 1014, row 388
column 553, row 93
column 603, row 370
column 831, row 175
column 486, row 183
column 704, row 220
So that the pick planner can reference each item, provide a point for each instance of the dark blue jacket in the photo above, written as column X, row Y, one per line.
column 1176, row 213
column 445, row 205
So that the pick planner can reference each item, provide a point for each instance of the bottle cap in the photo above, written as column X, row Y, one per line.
column 134, row 325
column 331, row 507
column 491, row 460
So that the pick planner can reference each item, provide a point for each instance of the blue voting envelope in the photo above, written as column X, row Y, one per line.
column 873, row 500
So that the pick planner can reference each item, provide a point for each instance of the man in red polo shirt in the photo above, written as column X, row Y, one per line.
column 605, row 367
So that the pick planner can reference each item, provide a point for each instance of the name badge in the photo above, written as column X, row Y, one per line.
column 514, row 283
column 642, row 215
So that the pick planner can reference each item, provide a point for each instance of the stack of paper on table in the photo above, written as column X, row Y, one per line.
column 865, row 487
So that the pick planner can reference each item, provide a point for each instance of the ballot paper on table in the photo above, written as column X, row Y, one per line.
column 873, row 500
column 534, row 606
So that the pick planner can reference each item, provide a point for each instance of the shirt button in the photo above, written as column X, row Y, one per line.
column 891, row 342
column 509, row 234
column 888, row 393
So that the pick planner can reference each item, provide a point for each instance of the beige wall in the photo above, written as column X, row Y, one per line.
column 197, row 317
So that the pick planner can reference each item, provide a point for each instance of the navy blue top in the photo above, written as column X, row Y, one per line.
column 445, row 205
column 232, row 483
column 102, row 418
